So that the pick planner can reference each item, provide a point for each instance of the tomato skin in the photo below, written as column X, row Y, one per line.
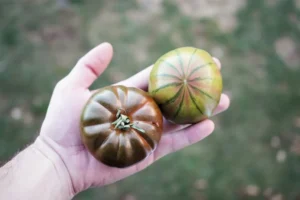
column 186, row 84
column 117, row 147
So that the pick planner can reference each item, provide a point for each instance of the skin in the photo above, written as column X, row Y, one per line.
column 63, row 161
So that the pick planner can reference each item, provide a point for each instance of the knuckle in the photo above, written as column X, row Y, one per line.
column 80, row 61
column 91, row 65
column 61, row 85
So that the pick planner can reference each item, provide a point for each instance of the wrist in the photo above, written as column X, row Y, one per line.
column 44, row 147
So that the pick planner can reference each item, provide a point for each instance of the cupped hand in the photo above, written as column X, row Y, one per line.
column 60, row 131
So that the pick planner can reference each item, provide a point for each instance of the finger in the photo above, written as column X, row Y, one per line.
column 218, row 63
column 90, row 66
column 174, row 142
column 223, row 104
column 183, row 138
column 139, row 80
column 170, row 127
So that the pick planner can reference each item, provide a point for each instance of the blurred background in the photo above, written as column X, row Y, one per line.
column 254, row 152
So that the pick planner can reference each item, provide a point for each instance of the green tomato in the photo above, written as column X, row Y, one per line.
column 186, row 84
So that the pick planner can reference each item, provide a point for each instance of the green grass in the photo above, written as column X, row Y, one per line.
column 46, row 42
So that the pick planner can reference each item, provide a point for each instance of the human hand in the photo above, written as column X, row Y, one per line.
column 60, row 132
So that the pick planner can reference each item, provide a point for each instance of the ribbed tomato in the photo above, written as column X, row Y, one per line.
column 121, row 125
column 186, row 84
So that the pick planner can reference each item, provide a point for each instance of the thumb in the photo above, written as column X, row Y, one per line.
column 91, row 65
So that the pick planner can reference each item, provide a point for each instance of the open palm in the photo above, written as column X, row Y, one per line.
column 60, row 131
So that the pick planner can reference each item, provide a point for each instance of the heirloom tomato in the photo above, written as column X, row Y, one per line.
column 121, row 126
column 186, row 84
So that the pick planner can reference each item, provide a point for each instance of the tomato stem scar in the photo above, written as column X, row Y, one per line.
column 123, row 122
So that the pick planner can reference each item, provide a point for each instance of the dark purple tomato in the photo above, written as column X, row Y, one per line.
column 121, row 126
